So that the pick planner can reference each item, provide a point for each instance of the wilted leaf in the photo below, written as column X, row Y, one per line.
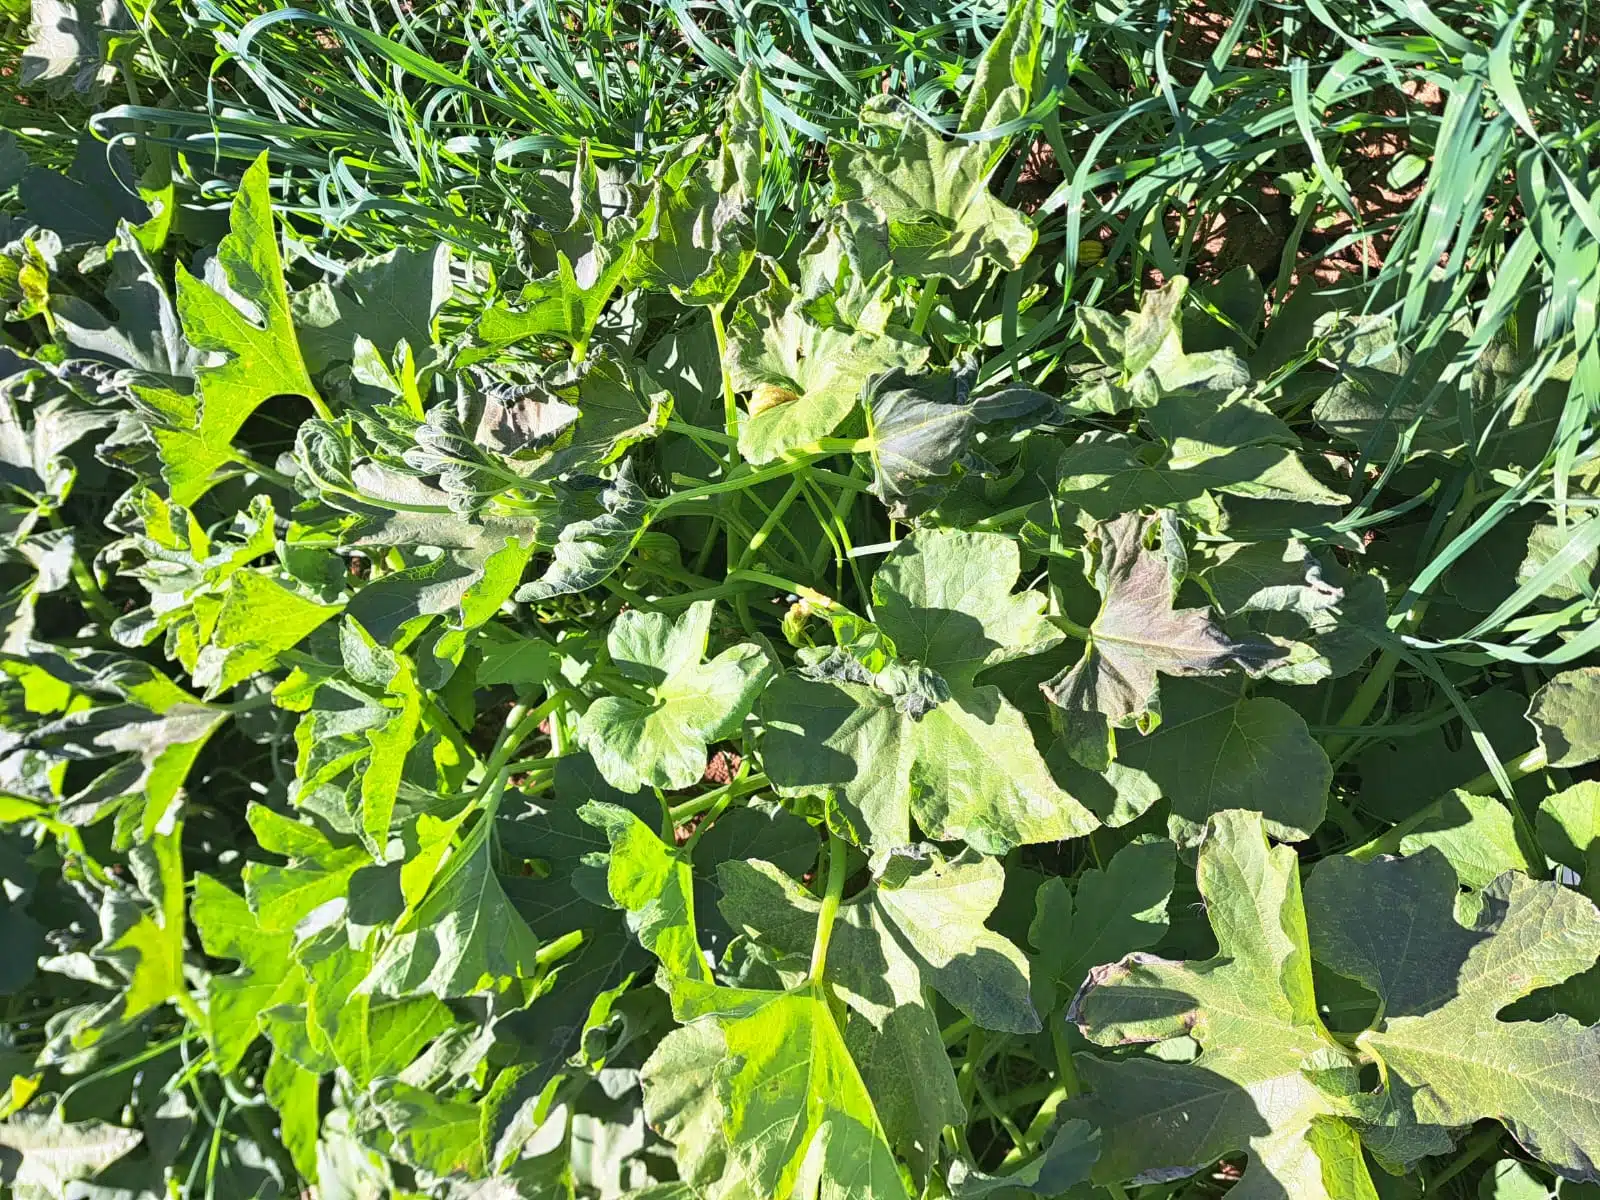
column 1141, row 632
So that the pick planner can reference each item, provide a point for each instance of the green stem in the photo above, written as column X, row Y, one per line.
column 1071, row 628
column 242, row 459
column 1389, row 843
column 737, row 483
column 1377, row 681
column 1064, row 1065
column 1474, row 1148
column 83, row 575
column 1363, row 702
column 732, row 791
column 1038, row 1127
column 1004, row 518
column 521, row 723
column 956, row 1030
column 830, row 906
column 759, row 538
column 554, row 951
column 925, row 303
column 998, row 1111
column 730, row 405
column 531, row 766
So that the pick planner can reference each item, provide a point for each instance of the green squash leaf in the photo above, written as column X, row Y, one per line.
column 1216, row 750
column 464, row 937
column 1476, row 834
column 1252, row 1011
column 254, row 334
column 654, row 885
column 658, row 737
column 1110, row 913
column 387, row 299
column 812, row 373
column 1568, row 827
column 267, row 975
column 1143, row 355
column 776, row 1097
column 259, row 619
column 1449, row 1058
column 952, row 754
column 943, row 220
column 1566, row 714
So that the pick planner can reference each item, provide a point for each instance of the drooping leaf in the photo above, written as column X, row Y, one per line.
column 146, row 333
column 65, row 52
column 955, row 756
column 701, row 238
column 611, row 517
column 1003, row 80
column 585, row 258
column 921, row 425
column 1286, row 593
column 1141, row 632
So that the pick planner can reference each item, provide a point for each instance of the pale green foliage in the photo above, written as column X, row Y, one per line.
column 659, row 738
column 957, row 759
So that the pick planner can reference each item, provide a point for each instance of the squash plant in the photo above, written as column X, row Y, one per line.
column 689, row 715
